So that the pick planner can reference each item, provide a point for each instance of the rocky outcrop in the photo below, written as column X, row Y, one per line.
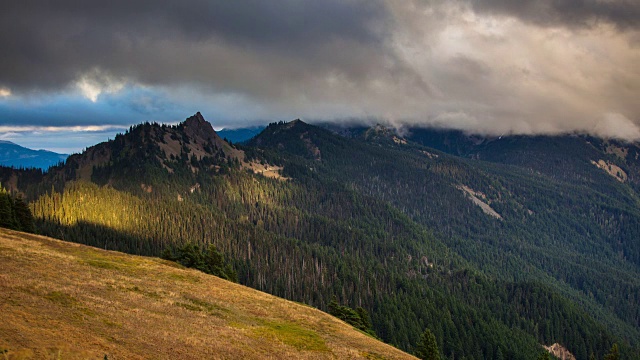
column 611, row 169
column 475, row 196
column 560, row 352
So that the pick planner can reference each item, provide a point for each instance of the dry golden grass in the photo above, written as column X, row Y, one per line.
column 267, row 170
column 61, row 300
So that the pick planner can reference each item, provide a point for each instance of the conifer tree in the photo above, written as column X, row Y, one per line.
column 365, row 319
column 210, row 261
column 7, row 219
column 22, row 215
column 358, row 318
column 427, row 348
column 544, row 356
column 614, row 353
column 215, row 264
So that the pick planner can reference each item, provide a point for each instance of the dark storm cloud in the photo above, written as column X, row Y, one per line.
column 624, row 14
column 47, row 44
column 487, row 66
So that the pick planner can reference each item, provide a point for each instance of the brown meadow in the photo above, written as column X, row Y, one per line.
column 61, row 300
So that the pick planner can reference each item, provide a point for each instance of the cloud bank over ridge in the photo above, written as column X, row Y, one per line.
column 486, row 66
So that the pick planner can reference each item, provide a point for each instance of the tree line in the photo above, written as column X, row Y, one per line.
column 15, row 213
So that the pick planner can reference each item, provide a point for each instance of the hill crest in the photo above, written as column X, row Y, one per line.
column 74, row 301
column 150, row 153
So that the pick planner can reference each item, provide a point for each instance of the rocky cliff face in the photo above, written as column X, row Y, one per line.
column 560, row 352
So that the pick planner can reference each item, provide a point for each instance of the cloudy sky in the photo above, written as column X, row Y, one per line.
column 75, row 72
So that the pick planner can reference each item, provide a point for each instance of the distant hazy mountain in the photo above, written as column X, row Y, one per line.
column 17, row 156
column 240, row 135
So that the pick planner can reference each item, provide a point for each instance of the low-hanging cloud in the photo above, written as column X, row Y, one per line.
column 485, row 66
column 623, row 14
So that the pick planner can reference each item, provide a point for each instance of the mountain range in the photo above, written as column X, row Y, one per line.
column 496, row 245
column 240, row 135
column 14, row 155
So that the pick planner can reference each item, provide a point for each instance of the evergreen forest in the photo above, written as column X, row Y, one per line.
column 409, row 239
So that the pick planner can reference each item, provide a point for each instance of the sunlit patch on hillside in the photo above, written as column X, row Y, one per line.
column 270, row 171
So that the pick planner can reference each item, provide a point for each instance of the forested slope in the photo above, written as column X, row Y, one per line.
column 375, row 221
column 581, row 238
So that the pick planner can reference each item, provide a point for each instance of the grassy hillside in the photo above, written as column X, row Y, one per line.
column 72, row 301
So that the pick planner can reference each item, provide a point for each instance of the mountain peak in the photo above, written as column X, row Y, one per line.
column 197, row 127
column 196, row 119
column 381, row 129
column 299, row 138
column 296, row 124
column 193, row 144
